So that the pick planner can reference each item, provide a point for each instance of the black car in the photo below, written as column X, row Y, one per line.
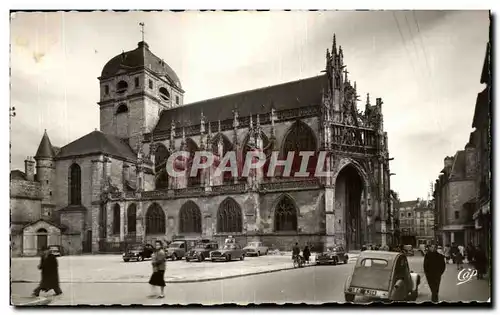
column 332, row 256
column 139, row 252
column 201, row 251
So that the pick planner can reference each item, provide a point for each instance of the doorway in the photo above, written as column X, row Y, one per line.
column 42, row 239
column 348, row 193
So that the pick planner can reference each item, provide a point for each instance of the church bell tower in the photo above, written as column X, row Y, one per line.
column 135, row 86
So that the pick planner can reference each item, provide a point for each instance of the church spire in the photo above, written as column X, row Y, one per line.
column 334, row 45
column 45, row 149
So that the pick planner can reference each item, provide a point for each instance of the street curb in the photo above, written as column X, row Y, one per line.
column 38, row 302
column 183, row 281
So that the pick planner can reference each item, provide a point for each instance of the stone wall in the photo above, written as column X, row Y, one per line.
column 25, row 201
column 459, row 192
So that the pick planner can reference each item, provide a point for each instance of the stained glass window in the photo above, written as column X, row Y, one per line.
column 285, row 215
column 131, row 218
column 161, row 156
column 229, row 218
column 75, row 184
column 116, row 219
column 155, row 220
column 190, row 218
column 300, row 138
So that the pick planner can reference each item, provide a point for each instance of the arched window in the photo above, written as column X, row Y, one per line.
column 266, row 146
column 285, row 215
column 190, row 218
column 161, row 157
column 121, row 87
column 122, row 109
column 116, row 219
column 299, row 138
column 155, row 220
column 164, row 94
column 131, row 218
column 192, row 148
column 75, row 185
column 226, row 147
column 229, row 218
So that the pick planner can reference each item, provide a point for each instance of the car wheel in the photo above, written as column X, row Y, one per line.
column 213, row 260
column 201, row 257
column 242, row 257
column 187, row 259
column 126, row 260
column 140, row 258
column 228, row 257
column 349, row 297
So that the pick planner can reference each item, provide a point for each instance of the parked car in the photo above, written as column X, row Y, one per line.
column 178, row 248
column 408, row 250
column 228, row 253
column 255, row 248
column 138, row 252
column 332, row 256
column 382, row 275
column 56, row 250
column 201, row 251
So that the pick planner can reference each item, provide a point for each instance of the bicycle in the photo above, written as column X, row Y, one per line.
column 298, row 261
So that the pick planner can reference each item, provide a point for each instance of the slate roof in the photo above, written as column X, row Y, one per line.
column 17, row 175
column 411, row 203
column 486, row 73
column 45, row 149
column 295, row 94
column 97, row 142
column 139, row 58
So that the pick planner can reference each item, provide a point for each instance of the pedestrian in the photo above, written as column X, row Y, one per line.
column 159, row 265
column 434, row 267
column 49, row 273
column 480, row 262
column 459, row 258
column 295, row 251
column 306, row 253
column 447, row 253
column 469, row 253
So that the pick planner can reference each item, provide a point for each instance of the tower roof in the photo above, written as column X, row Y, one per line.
column 45, row 149
column 97, row 142
column 141, row 57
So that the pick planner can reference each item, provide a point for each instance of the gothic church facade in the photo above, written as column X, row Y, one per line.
column 110, row 187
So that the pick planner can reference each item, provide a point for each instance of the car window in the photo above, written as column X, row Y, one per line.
column 374, row 263
column 182, row 245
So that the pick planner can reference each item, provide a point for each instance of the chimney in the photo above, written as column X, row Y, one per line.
column 470, row 160
column 29, row 168
column 448, row 161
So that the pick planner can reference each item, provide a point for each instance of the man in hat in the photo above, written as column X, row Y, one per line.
column 434, row 267
column 50, row 273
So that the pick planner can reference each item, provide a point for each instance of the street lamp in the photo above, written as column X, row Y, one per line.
column 392, row 174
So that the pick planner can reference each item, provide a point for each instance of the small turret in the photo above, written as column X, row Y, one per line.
column 45, row 168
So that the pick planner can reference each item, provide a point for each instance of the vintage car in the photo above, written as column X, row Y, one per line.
column 138, row 252
column 56, row 250
column 382, row 275
column 255, row 248
column 178, row 248
column 228, row 253
column 332, row 256
column 201, row 251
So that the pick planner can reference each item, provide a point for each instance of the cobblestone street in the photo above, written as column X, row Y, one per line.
column 108, row 280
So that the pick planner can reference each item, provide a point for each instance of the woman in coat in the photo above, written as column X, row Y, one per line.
column 306, row 253
column 159, row 265
column 50, row 273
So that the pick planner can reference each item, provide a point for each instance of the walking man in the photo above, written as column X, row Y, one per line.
column 50, row 273
column 434, row 267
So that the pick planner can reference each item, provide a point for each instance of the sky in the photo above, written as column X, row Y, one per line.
column 425, row 65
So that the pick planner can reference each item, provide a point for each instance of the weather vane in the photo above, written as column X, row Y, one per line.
column 142, row 29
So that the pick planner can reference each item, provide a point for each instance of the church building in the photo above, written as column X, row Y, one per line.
column 110, row 188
